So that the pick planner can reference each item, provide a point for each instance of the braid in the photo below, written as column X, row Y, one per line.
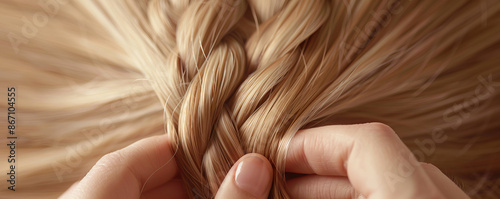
column 228, row 77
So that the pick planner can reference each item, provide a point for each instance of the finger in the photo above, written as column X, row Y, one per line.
column 250, row 177
column 377, row 163
column 173, row 189
column 315, row 186
column 445, row 184
column 122, row 174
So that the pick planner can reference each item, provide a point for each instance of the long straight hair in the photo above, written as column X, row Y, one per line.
column 228, row 77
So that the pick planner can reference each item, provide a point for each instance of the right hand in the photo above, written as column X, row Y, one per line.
column 361, row 161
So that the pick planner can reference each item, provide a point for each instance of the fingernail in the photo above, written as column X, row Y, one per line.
column 252, row 176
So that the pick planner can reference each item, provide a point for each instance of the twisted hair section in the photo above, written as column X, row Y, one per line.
column 227, row 77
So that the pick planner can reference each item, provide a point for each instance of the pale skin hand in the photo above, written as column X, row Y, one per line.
column 368, row 160
column 342, row 161
column 123, row 173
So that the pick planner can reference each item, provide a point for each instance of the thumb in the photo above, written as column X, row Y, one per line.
column 250, row 177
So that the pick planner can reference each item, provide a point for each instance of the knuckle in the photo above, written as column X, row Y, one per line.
column 379, row 129
column 316, row 146
column 378, row 134
column 109, row 162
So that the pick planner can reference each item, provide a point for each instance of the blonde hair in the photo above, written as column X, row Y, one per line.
column 224, row 78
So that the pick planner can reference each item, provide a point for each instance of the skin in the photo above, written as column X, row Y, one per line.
column 340, row 161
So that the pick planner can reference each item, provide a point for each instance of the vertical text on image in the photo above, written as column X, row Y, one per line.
column 11, row 137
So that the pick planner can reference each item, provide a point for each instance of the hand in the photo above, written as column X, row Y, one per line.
column 123, row 173
column 343, row 162
column 361, row 161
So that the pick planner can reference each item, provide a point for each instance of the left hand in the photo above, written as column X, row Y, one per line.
column 123, row 173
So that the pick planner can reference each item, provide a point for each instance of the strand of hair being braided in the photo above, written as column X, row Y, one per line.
column 213, row 60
